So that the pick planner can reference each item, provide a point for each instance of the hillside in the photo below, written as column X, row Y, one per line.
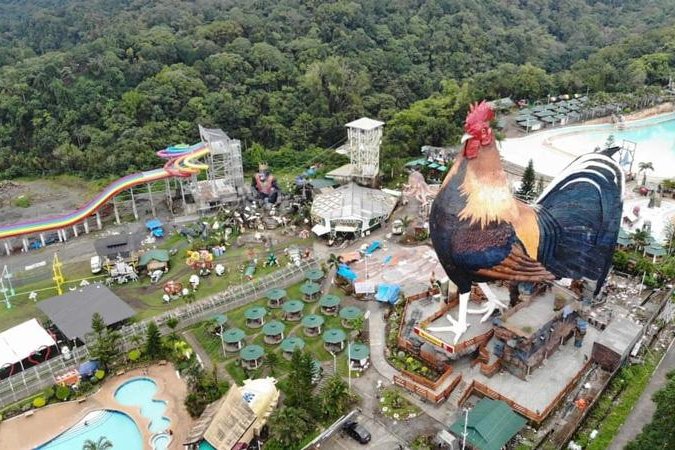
column 93, row 87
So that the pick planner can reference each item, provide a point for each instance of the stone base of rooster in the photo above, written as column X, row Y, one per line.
column 459, row 326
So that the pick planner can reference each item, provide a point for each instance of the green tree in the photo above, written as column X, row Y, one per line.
column 172, row 323
column 527, row 190
column 102, row 444
column 271, row 361
column 299, row 390
column 334, row 261
column 641, row 239
column 154, row 347
column 540, row 186
column 105, row 347
column 289, row 425
column 659, row 433
column 334, row 397
column 643, row 167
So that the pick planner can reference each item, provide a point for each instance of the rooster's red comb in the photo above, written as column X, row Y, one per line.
column 479, row 113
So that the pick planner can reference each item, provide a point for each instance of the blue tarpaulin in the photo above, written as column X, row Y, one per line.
column 345, row 272
column 89, row 368
column 388, row 293
column 372, row 247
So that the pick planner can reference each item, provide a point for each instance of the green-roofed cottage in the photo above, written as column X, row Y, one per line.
column 359, row 356
column 255, row 316
column 624, row 239
column 156, row 259
column 490, row 426
column 290, row 344
column 292, row 310
column 233, row 339
column 275, row 297
column 315, row 275
column 251, row 356
column 274, row 332
column 656, row 251
column 349, row 315
column 312, row 324
column 310, row 291
column 334, row 340
column 330, row 303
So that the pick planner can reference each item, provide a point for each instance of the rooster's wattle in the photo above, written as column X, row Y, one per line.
column 481, row 232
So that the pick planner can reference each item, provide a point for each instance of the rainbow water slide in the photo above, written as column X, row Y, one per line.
column 181, row 163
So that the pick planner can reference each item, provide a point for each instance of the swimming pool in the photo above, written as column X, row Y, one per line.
column 116, row 426
column 552, row 150
column 140, row 392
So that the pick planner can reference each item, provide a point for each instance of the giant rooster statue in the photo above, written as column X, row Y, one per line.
column 481, row 232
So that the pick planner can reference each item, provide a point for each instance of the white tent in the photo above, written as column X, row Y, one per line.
column 23, row 340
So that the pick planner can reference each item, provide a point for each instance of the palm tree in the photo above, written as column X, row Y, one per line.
column 334, row 261
column 172, row 323
column 406, row 221
column 641, row 239
column 102, row 444
column 289, row 425
column 644, row 167
column 335, row 398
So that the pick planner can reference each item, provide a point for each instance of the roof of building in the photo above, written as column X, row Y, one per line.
column 358, row 351
column 251, row 352
column 351, row 313
column 21, row 341
column 312, row 321
column 233, row 335
column 72, row 311
column 153, row 255
column 290, row 344
column 293, row 306
column 353, row 202
column 364, row 123
column 620, row 335
column 273, row 328
column 490, row 425
column 334, row 336
column 123, row 244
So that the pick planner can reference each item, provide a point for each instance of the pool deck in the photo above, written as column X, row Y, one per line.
column 24, row 432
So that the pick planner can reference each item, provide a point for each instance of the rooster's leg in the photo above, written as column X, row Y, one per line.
column 458, row 326
column 492, row 303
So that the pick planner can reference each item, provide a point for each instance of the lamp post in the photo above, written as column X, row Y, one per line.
column 349, row 364
column 466, row 422
column 334, row 363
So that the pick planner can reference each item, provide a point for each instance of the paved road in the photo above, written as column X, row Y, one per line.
column 381, row 439
column 644, row 409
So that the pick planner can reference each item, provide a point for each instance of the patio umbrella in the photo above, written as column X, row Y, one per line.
column 314, row 274
column 310, row 288
column 351, row 313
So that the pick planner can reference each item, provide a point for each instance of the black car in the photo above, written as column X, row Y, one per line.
column 357, row 432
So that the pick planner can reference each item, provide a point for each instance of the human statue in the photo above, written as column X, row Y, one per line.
column 265, row 184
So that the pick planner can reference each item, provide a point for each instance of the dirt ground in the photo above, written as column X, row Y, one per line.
column 48, row 197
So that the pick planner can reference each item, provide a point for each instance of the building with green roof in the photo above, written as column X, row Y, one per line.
column 156, row 259
column 233, row 339
column 255, row 316
column 290, row 344
column 334, row 340
column 274, row 332
column 330, row 303
column 349, row 315
column 312, row 324
column 293, row 310
column 251, row 356
column 490, row 426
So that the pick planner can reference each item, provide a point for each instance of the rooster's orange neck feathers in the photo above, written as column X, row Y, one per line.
column 486, row 190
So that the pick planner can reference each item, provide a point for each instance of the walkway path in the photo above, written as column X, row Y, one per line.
column 644, row 409
column 443, row 412
column 206, row 359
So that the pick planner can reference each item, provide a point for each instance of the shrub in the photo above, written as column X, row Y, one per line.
column 39, row 402
column 62, row 393
column 48, row 393
column 100, row 373
column 134, row 355
column 22, row 201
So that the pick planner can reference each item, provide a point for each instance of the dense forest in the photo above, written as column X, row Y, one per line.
column 94, row 87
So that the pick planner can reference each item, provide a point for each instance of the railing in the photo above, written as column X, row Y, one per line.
column 425, row 393
column 34, row 379
column 537, row 416
column 427, row 382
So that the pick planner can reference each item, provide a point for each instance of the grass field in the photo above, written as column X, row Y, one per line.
column 204, row 332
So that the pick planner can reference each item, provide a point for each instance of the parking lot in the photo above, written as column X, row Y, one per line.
column 381, row 439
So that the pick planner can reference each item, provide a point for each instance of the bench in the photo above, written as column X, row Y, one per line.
column 82, row 400
column 29, row 413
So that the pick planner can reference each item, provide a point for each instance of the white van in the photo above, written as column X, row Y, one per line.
column 96, row 264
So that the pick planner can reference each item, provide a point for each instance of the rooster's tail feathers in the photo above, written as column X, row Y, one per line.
column 579, row 216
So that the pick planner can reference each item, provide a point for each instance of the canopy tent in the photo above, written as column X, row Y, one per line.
column 388, row 293
column 364, row 287
column 21, row 341
column 345, row 272
column 89, row 368
column 72, row 311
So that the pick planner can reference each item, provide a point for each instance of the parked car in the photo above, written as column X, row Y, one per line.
column 357, row 432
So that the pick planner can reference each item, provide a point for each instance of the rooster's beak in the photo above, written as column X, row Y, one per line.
column 466, row 137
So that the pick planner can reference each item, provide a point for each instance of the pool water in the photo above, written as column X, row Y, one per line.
column 117, row 427
column 553, row 149
column 140, row 392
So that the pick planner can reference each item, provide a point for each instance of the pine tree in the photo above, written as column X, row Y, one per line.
column 527, row 183
column 153, row 342
column 540, row 186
